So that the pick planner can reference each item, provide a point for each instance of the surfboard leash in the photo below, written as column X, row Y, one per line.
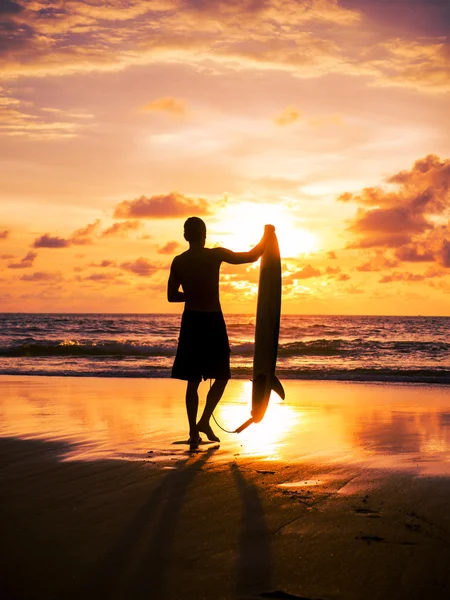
column 220, row 426
column 239, row 429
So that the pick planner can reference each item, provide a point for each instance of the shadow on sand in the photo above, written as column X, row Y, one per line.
column 255, row 558
column 121, row 574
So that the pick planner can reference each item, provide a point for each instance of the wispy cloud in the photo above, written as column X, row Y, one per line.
column 288, row 116
column 169, row 105
column 122, row 228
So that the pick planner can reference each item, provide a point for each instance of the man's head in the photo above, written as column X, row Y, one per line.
column 194, row 230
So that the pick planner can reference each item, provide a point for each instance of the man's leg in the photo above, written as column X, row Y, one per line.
column 212, row 400
column 192, row 408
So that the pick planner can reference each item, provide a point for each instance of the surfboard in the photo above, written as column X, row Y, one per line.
column 266, row 333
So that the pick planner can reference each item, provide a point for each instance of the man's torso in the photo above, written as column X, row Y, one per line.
column 198, row 271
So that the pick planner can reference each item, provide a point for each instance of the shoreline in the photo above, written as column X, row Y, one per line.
column 413, row 376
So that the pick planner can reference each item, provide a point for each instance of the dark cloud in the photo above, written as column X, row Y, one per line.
column 169, row 248
column 140, row 266
column 25, row 263
column 427, row 17
column 412, row 219
column 166, row 206
column 4, row 234
column 15, row 33
column 8, row 7
column 6, row 256
column 48, row 241
column 122, row 228
column 41, row 276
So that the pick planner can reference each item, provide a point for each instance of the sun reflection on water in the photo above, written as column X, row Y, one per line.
column 267, row 437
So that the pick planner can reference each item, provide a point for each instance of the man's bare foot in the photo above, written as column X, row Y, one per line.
column 194, row 439
column 206, row 428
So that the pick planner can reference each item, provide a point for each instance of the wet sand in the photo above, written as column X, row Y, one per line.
column 341, row 492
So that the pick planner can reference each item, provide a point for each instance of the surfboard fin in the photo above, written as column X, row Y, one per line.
column 277, row 387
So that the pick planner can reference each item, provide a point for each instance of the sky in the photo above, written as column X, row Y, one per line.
column 330, row 120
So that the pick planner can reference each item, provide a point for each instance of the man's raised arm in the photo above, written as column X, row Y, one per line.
column 240, row 258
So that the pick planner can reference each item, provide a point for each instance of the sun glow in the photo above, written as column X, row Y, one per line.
column 267, row 437
column 239, row 226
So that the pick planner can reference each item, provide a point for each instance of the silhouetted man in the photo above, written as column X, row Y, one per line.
column 203, row 348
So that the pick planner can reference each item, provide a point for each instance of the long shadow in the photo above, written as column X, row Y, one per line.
column 111, row 579
column 255, row 556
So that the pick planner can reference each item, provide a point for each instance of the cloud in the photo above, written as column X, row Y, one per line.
column 19, row 118
column 6, row 256
column 4, row 234
column 82, row 236
column 305, row 273
column 332, row 255
column 168, row 206
column 307, row 38
column 8, row 7
column 169, row 248
column 378, row 262
column 409, row 216
column 411, row 253
column 103, row 278
column 42, row 276
column 48, row 241
column 332, row 270
column 25, row 263
column 122, row 228
column 401, row 276
column 343, row 277
column 288, row 116
column 169, row 105
column 140, row 266
column 104, row 264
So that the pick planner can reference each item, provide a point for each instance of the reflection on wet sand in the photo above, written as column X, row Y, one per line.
column 387, row 426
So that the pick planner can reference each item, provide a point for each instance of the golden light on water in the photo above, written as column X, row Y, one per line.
column 264, row 438
column 242, row 225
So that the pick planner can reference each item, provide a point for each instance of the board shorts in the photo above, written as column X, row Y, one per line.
column 203, row 348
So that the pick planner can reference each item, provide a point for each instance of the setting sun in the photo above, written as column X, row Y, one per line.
column 238, row 227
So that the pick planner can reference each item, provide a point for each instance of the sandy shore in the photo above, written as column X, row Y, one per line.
column 342, row 494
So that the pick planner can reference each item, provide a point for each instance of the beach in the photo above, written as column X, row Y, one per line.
column 341, row 492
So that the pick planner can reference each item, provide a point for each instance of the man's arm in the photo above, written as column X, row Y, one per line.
column 173, row 286
column 240, row 258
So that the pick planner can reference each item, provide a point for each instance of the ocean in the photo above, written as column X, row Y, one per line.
column 352, row 348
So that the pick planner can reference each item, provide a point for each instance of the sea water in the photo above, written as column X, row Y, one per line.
column 358, row 348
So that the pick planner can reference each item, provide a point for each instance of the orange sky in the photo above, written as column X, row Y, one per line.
column 328, row 119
